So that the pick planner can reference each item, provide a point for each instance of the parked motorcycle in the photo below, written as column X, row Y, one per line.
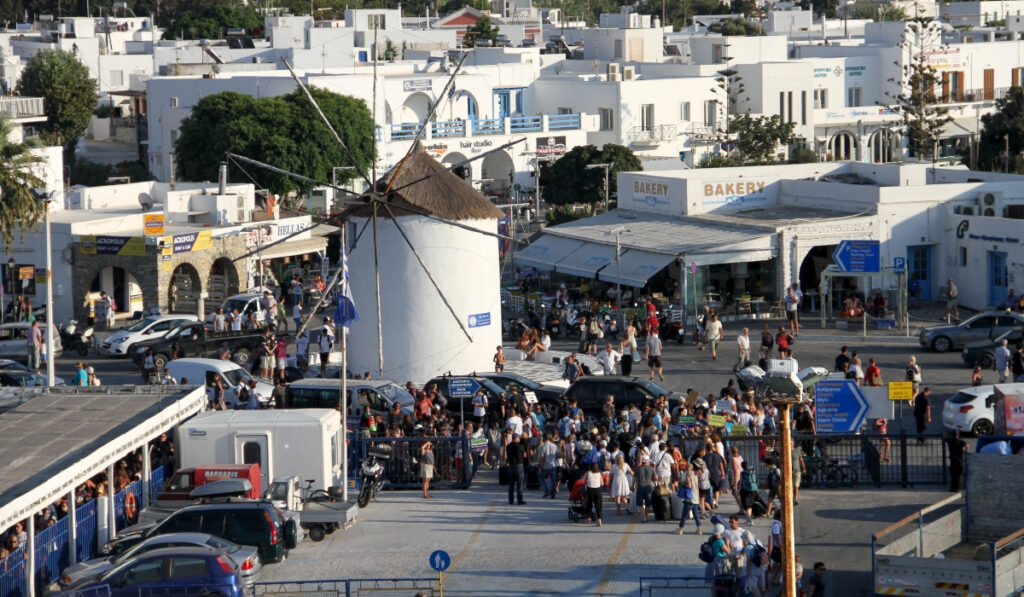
column 73, row 338
column 371, row 473
column 554, row 324
column 670, row 330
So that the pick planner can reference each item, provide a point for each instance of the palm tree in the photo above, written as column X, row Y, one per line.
column 19, row 208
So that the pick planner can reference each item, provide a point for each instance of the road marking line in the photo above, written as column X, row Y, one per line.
column 612, row 561
column 475, row 536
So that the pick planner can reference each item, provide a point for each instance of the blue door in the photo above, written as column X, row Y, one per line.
column 996, row 277
column 502, row 103
column 919, row 265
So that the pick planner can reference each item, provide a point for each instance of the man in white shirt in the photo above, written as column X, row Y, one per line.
column 735, row 536
column 745, row 417
column 479, row 406
column 793, row 298
column 326, row 344
column 1001, row 362
column 608, row 359
column 743, row 347
column 714, row 332
column 515, row 425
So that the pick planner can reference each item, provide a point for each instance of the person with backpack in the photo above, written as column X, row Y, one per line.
column 748, row 489
column 774, row 483
column 689, row 492
column 756, row 556
column 715, row 552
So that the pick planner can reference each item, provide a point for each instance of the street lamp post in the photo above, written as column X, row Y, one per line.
column 606, row 167
column 618, row 277
column 47, row 198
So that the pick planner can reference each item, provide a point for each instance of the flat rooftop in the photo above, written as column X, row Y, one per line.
column 778, row 215
column 58, row 427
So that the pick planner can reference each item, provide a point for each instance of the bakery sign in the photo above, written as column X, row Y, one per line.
column 650, row 193
column 729, row 192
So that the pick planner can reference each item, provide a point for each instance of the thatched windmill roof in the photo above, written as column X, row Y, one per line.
column 444, row 195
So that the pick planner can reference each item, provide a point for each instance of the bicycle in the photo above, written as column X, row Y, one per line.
column 829, row 473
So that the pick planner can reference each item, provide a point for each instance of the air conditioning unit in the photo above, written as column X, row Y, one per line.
column 990, row 203
column 613, row 71
column 628, row 73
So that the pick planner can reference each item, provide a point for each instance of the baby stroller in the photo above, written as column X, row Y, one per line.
column 578, row 507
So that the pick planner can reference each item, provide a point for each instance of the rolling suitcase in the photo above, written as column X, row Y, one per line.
column 662, row 507
column 760, row 507
column 533, row 477
column 503, row 475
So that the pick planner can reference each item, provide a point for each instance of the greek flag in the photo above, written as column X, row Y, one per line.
column 346, row 313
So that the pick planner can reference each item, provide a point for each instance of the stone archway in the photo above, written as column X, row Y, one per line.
column 222, row 281
column 416, row 108
column 884, row 146
column 184, row 290
column 453, row 157
column 496, row 172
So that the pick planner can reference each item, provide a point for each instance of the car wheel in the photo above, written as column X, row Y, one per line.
column 316, row 533
column 160, row 361
column 985, row 361
column 242, row 356
column 942, row 344
column 983, row 427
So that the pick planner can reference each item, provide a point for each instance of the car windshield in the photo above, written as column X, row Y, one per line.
column 397, row 393
column 223, row 544
column 655, row 389
column 140, row 325
column 519, row 379
column 490, row 386
column 234, row 303
column 973, row 319
column 278, row 492
column 237, row 376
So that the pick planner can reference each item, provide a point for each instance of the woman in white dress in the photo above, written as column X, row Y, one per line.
column 620, row 483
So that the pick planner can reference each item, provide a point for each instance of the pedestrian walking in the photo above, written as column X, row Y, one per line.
column 594, row 481
column 952, row 301
column 957, row 455
column 326, row 343
column 714, row 335
column 793, row 298
column 743, row 350
column 767, row 343
column 782, row 340
column 1002, row 361
column 426, row 467
column 628, row 351
column 914, row 372
column 689, row 493
column 922, row 412
column 652, row 351
column 816, row 583
column 35, row 345
column 873, row 375
column 643, row 485
column 515, row 459
column 297, row 315
column 620, row 474
column 608, row 359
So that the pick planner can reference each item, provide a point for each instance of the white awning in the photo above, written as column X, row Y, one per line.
column 586, row 260
column 635, row 267
column 292, row 248
column 546, row 252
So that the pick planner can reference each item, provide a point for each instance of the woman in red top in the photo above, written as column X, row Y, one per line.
column 782, row 341
column 873, row 375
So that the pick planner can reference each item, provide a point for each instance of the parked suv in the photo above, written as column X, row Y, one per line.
column 550, row 397
column 256, row 523
column 983, row 326
column 590, row 392
column 491, row 390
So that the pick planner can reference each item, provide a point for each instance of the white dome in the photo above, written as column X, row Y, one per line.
column 421, row 338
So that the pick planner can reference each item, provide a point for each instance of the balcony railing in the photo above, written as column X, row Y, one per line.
column 652, row 135
column 484, row 126
column 22, row 107
column 974, row 95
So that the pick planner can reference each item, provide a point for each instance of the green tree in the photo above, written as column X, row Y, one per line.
column 923, row 119
column 759, row 137
column 213, row 22
column 1003, row 129
column 803, row 155
column 19, row 208
column 482, row 29
column 68, row 93
column 736, row 26
column 390, row 51
column 880, row 13
column 829, row 8
column 571, row 182
column 283, row 131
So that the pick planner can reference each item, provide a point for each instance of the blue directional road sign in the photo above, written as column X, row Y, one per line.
column 440, row 560
column 840, row 406
column 857, row 256
column 462, row 387
column 899, row 265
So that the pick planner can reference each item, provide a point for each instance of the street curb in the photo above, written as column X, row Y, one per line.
column 911, row 341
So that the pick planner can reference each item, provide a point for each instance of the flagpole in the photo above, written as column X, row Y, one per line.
column 344, row 368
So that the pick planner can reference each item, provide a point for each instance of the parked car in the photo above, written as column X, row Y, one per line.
column 376, row 394
column 590, row 393
column 983, row 326
column 246, row 303
column 12, row 340
column 181, row 570
column 246, row 557
column 970, row 410
column 204, row 371
column 16, row 378
column 120, row 343
column 549, row 397
column 256, row 523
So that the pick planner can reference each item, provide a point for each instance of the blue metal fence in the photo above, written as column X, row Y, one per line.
column 52, row 552
column 681, row 586
column 525, row 124
column 402, row 470
column 12, row 574
column 159, row 476
column 346, row 587
column 86, row 531
column 120, row 515
column 489, row 126
column 448, row 128
column 563, row 122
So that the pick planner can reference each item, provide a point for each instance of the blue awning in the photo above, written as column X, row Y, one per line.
column 635, row 267
column 586, row 260
column 546, row 252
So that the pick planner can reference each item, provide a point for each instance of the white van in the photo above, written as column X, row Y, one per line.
column 204, row 371
column 306, row 443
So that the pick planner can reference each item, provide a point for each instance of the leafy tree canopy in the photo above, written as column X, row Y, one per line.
column 737, row 26
column 1002, row 127
column 68, row 92
column 19, row 208
column 213, row 22
column 880, row 13
column 482, row 29
column 283, row 131
column 759, row 137
column 572, row 182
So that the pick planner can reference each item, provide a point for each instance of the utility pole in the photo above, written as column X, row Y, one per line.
column 607, row 167
column 788, row 532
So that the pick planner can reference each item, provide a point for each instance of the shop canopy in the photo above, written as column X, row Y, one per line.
column 586, row 260
column 294, row 248
column 635, row 267
column 546, row 252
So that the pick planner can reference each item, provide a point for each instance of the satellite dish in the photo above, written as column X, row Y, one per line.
column 146, row 201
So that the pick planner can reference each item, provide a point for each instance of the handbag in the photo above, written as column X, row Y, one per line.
column 684, row 493
column 662, row 489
